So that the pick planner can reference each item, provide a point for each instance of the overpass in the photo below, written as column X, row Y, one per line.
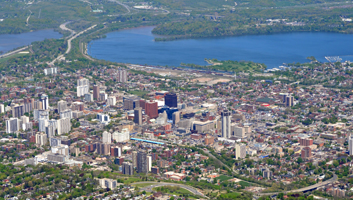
column 306, row 189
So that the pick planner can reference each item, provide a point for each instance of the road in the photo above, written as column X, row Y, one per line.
column 160, row 184
column 63, row 27
column 125, row 6
column 13, row 52
column 69, row 44
column 27, row 21
column 333, row 179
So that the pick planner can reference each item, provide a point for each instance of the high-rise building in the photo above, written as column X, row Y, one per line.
column 171, row 100
column 107, row 137
column 240, row 151
column 238, row 131
column 122, row 75
column 41, row 139
column 89, row 97
column 62, row 105
column 42, row 123
column 142, row 162
column 28, row 104
column 176, row 117
column 138, row 116
column 115, row 151
column 134, row 158
column 151, row 109
column 122, row 136
column 103, row 148
column 226, row 122
column 96, row 92
column 128, row 168
column 289, row 101
column 267, row 173
column 66, row 114
column 2, row 108
column 111, row 101
column 149, row 163
column 350, row 144
column 45, row 101
column 131, row 102
column 82, row 87
column 103, row 96
column 38, row 105
column 12, row 125
column 103, row 118
column 64, row 126
column 306, row 152
column 54, row 141
column 78, row 106
column 40, row 114
column 51, row 70
column 18, row 111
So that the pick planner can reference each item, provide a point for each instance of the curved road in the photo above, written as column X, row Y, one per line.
column 125, row 6
column 63, row 27
column 160, row 184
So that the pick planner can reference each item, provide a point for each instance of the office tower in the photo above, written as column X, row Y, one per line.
column 115, row 151
column 226, row 122
column 149, row 163
column 176, row 117
column 66, row 114
column 82, row 87
column 18, row 111
column 122, row 75
column 306, row 152
column 89, row 97
column 78, row 106
column 289, row 101
column 41, row 139
column 138, row 116
column 238, row 132
column 128, row 168
column 130, row 102
column 142, row 162
column 240, row 151
column 96, row 92
column 102, row 96
column 171, row 100
column 134, row 158
column 111, row 101
column 63, row 126
column 2, row 108
column 350, row 144
column 122, row 136
column 151, row 109
column 45, row 101
column 107, row 137
column 62, row 105
column 38, row 105
column 12, row 125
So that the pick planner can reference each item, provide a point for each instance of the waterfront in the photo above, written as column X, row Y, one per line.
column 9, row 42
column 137, row 46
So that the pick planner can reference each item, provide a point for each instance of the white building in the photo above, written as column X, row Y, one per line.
column 240, row 151
column 82, row 87
column 60, row 149
column 226, row 124
column 122, row 136
column 41, row 139
column 111, row 101
column 103, row 118
column 62, row 105
column 52, row 70
column 64, row 126
column 89, row 97
column 43, row 122
column 350, row 144
column 122, row 75
column 12, row 125
column 107, row 137
column 45, row 101
column 149, row 163
column 66, row 114
column 2, row 108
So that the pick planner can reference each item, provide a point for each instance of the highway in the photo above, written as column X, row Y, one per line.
column 13, row 52
column 312, row 187
column 160, row 184
column 69, row 43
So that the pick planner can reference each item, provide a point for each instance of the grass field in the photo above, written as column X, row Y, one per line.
column 222, row 178
column 141, row 185
column 2, row 60
column 243, row 183
column 138, row 92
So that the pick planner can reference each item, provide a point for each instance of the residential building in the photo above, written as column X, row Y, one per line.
column 240, row 151
column 122, row 136
column 45, row 101
column 142, row 162
column 138, row 116
column 226, row 124
column 151, row 109
column 12, row 125
column 128, row 168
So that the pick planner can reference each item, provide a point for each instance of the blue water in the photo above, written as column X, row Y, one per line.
column 11, row 41
column 137, row 46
